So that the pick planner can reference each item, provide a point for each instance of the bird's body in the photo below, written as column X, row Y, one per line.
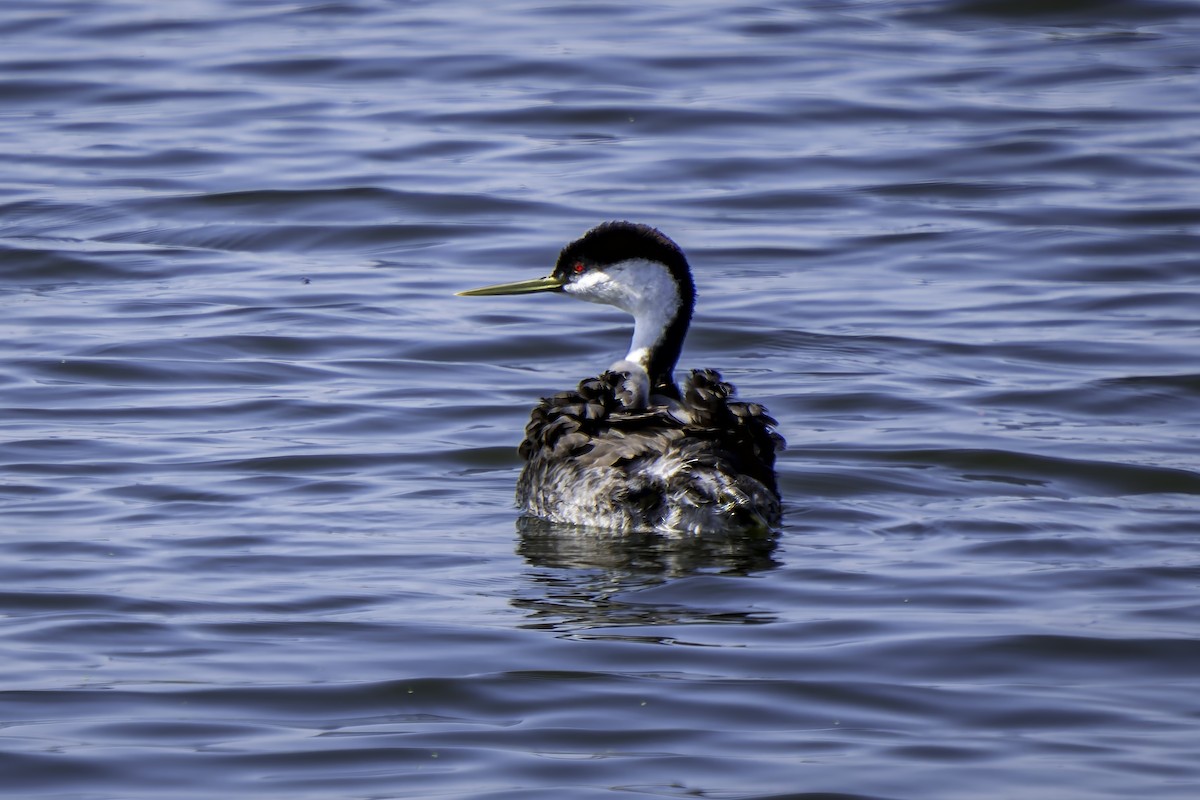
column 631, row 449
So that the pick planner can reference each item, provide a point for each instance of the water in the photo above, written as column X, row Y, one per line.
column 256, row 461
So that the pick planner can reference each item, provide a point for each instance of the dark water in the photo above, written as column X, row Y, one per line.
column 256, row 461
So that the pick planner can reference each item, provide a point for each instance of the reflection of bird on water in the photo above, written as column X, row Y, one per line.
column 631, row 449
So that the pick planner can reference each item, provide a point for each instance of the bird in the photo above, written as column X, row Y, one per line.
column 632, row 449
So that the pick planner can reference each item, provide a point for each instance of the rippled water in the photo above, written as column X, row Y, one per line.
column 256, row 461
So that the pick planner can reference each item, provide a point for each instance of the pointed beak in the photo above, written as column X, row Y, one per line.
column 547, row 284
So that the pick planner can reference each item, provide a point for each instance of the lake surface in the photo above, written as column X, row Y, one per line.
column 257, row 535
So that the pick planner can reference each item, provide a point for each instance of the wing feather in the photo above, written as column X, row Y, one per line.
column 684, row 464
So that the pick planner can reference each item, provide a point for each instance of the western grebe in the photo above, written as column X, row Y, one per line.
column 631, row 449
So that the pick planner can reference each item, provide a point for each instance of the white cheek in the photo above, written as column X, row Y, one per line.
column 597, row 286
column 642, row 288
column 589, row 282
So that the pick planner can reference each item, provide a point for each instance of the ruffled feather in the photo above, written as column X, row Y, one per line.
column 703, row 462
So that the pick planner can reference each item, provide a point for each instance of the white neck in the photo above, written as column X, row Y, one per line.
column 645, row 289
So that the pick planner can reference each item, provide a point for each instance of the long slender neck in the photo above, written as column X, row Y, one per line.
column 657, row 342
column 661, row 313
column 660, row 301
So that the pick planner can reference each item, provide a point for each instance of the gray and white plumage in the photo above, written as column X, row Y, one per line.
column 631, row 449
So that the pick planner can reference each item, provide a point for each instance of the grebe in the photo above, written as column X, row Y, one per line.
column 632, row 450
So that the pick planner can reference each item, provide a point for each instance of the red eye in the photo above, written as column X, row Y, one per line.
column 578, row 268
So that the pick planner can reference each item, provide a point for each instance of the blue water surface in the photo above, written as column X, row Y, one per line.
column 257, row 535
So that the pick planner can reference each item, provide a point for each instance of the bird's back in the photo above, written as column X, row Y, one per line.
column 702, row 463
